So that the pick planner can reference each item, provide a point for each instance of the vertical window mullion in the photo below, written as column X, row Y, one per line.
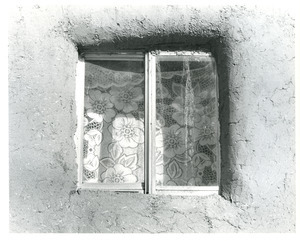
column 152, row 75
column 150, row 121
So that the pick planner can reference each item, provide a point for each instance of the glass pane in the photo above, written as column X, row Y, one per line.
column 113, row 145
column 186, row 121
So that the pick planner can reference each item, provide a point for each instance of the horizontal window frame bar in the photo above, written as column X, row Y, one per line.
column 118, row 56
column 188, row 188
column 114, row 187
column 184, row 53
column 186, row 192
column 120, row 52
column 165, row 58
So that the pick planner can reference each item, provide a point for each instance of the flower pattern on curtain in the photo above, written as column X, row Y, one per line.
column 113, row 145
column 186, row 126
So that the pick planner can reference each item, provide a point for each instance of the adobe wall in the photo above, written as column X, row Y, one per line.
column 254, row 48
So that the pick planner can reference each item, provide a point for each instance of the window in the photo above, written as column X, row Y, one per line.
column 148, row 122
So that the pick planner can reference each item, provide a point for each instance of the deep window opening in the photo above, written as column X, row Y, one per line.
column 150, row 123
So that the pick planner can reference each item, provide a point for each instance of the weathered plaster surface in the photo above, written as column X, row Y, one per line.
column 254, row 49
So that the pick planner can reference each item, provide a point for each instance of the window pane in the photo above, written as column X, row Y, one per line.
column 113, row 145
column 187, row 121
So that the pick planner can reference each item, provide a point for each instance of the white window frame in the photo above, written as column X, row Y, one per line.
column 149, row 186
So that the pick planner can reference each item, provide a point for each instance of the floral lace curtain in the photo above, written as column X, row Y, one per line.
column 186, row 128
column 113, row 145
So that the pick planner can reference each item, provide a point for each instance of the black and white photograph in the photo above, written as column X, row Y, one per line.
column 151, row 118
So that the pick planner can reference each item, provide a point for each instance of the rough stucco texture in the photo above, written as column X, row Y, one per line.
column 254, row 49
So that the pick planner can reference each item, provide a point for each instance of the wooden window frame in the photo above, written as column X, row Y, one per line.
column 149, row 186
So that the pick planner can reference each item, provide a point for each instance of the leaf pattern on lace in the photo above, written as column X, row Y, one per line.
column 200, row 159
column 91, row 163
column 115, row 150
column 129, row 161
column 173, row 170
column 107, row 162
column 183, row 158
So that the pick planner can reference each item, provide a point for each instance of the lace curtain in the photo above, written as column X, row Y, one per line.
column 114, row 122
column 186, row 127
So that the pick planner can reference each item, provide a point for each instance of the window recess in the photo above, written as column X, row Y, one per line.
column 148, row 122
